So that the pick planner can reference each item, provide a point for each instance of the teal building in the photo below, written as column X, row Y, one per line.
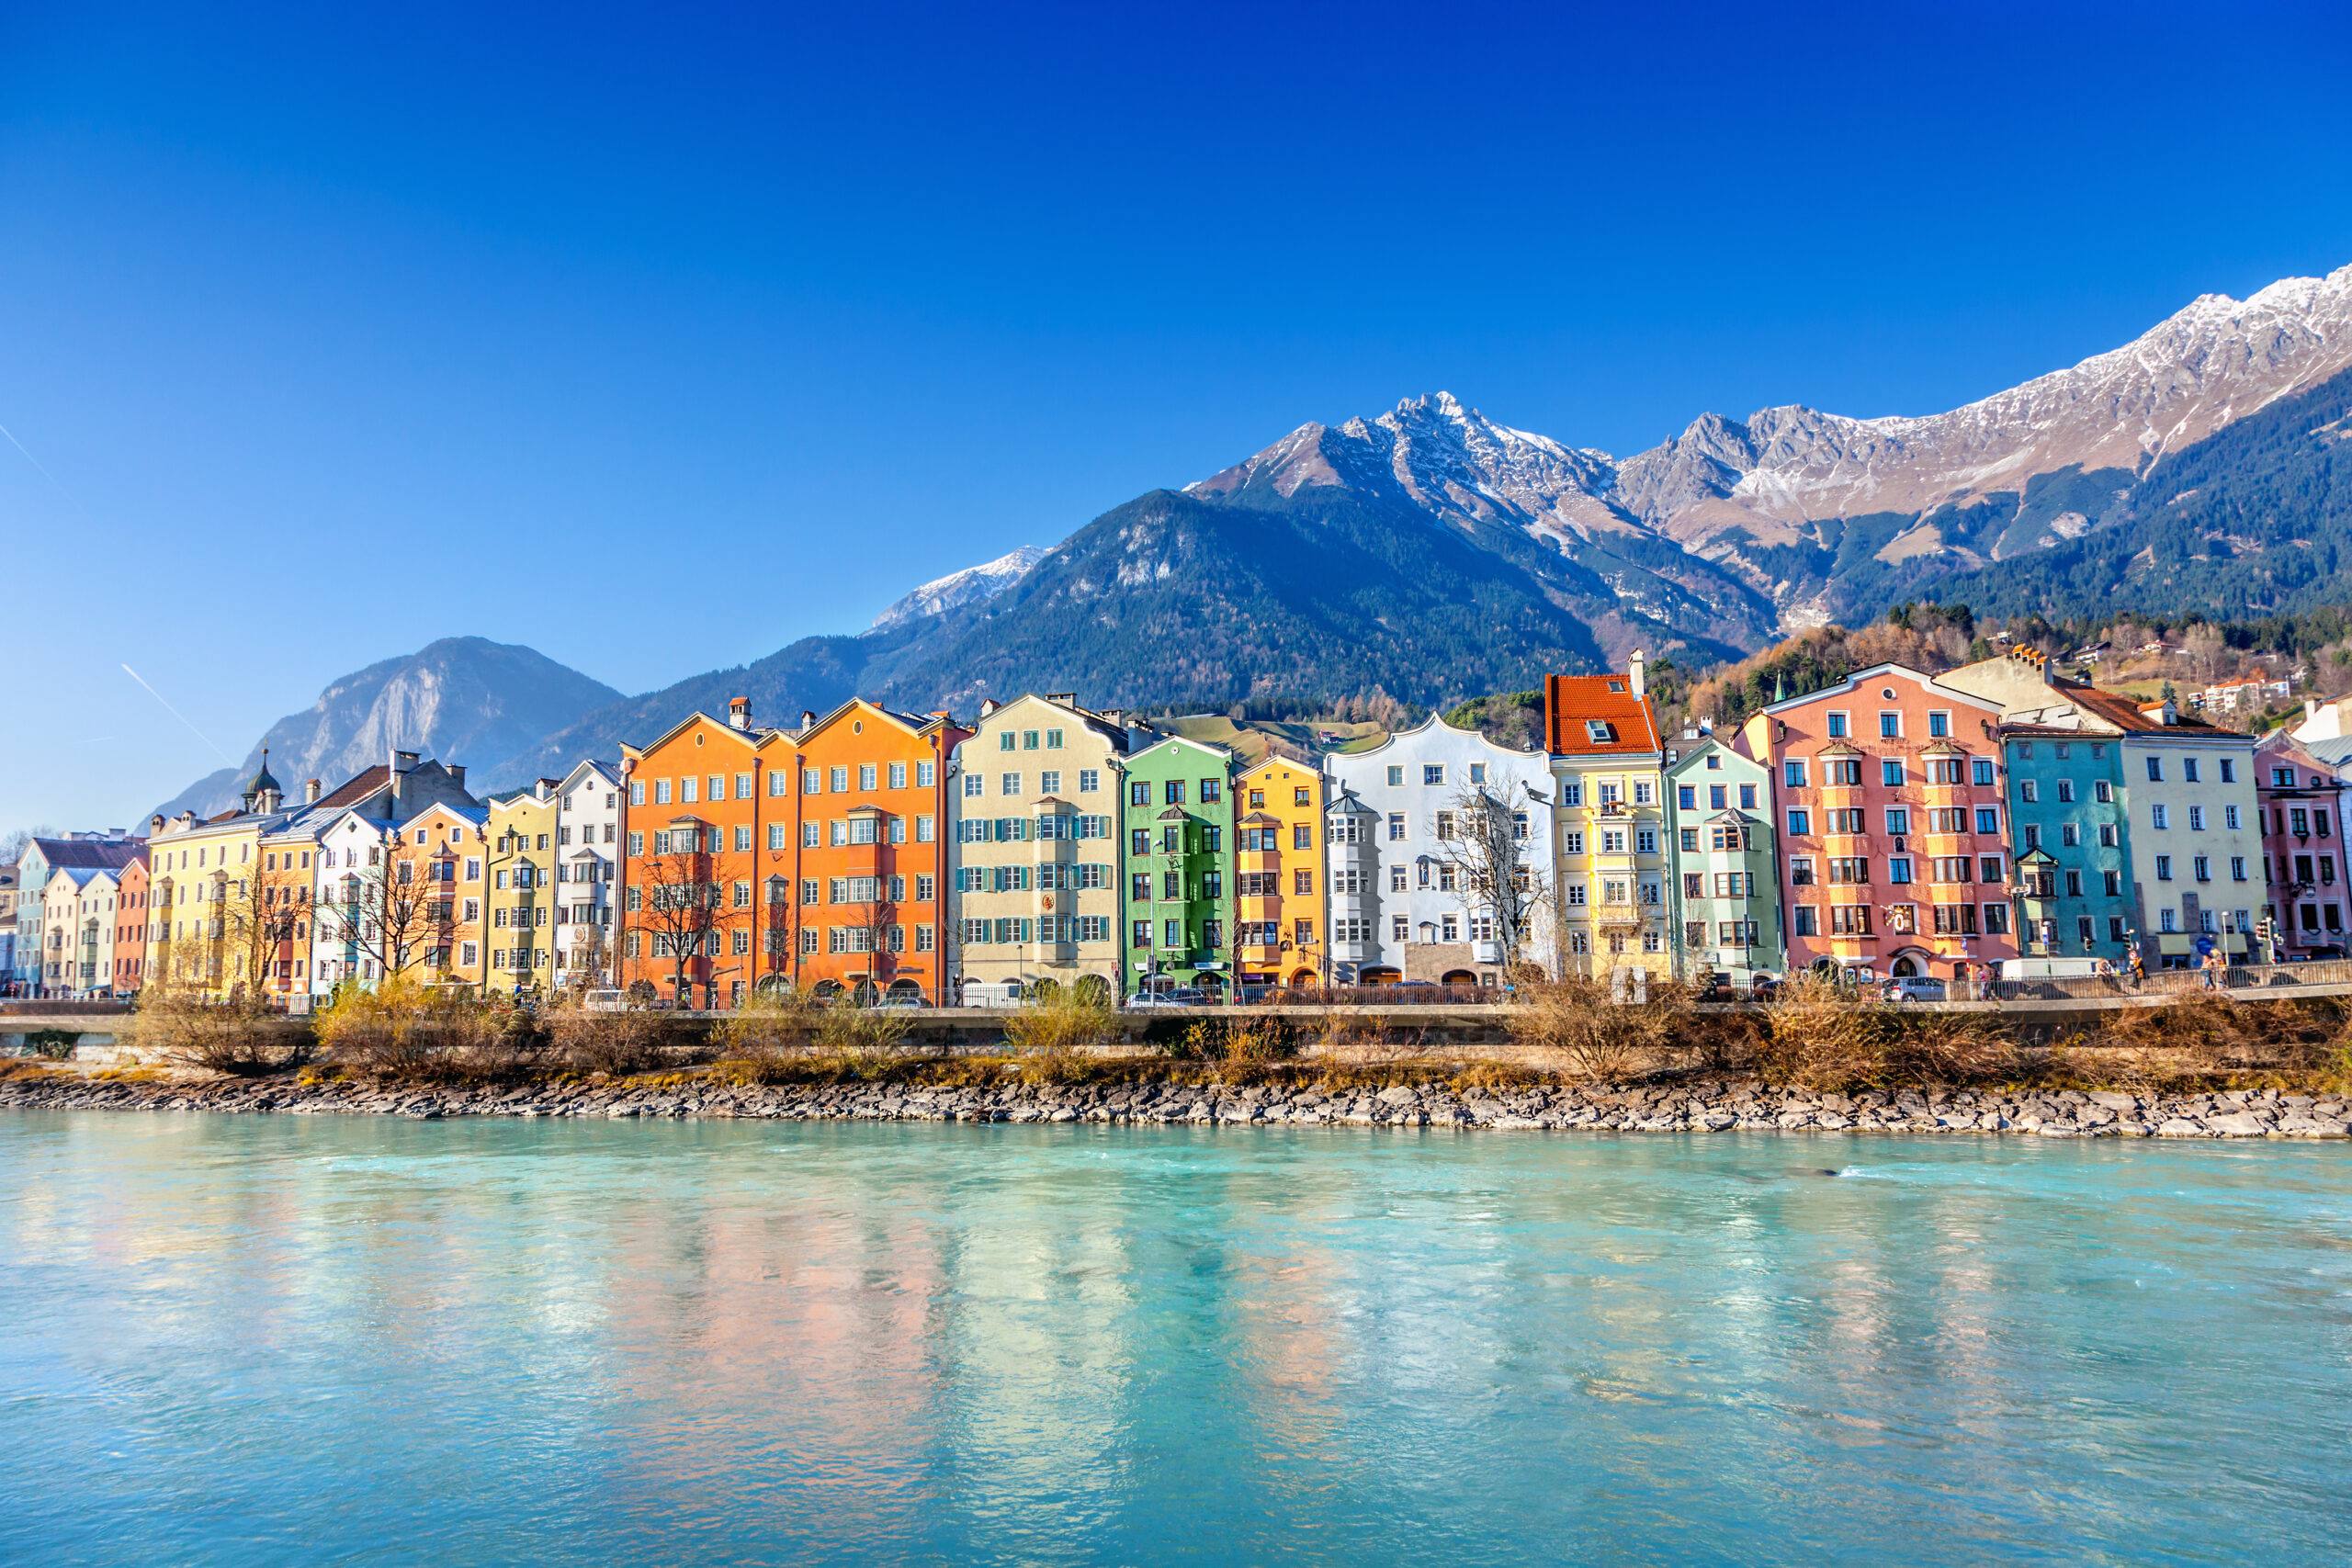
column 2070, row 829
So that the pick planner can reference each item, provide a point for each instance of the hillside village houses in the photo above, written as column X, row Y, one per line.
column 1892, row 824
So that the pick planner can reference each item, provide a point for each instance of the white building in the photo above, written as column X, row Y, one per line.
column 588, row 818
column 1399, row 910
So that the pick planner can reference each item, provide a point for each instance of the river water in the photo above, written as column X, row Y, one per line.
column 326, row 1340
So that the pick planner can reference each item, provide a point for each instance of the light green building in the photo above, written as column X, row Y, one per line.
column 1178, row 865
column 1725, row 890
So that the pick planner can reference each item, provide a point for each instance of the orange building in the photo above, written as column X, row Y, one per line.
column 439, row 874
column 872, row 864
column 813, row 856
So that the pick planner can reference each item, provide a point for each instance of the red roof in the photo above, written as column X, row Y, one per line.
column 1575, row 705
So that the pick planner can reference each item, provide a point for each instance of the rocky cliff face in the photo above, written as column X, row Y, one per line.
column 957, row 588
column 464, row 700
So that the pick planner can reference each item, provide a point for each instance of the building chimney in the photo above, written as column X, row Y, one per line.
column 155, row 825
column 548, row 786
column 402, row 760
column 310, row 793
column 808, row 720
column 2311, row 709
column 457, row 771
column 1634, row 671
column 739, row 712
column 988, row 706
column 1067, row 699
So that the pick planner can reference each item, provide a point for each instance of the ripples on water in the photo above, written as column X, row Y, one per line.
column 313, row 1340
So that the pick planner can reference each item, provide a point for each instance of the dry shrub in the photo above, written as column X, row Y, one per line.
column 1250, row 1039
column 1363, row 1040
column 241, row 1037
column 768, row 1037
column 405, row 1028
column 618, row 1042
column 1826, row 1036
column 1573, row 1020
column 861, row 1042
column 1055, row 1034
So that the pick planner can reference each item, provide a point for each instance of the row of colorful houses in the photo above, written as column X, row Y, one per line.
column 1896, row 824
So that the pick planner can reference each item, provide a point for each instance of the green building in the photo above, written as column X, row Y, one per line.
column 1177, row 869
column 2070, row 835
column 1726, row 886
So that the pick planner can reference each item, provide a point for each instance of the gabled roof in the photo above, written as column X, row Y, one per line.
column 106, row 852
column 1860, row 678
column 2125, row 715
column 1575, row 705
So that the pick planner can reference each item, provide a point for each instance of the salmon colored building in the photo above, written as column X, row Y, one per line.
column 131, row 916
column 1889, row 790
column 812, row 856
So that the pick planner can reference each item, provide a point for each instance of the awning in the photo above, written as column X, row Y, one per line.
column 2175, row 943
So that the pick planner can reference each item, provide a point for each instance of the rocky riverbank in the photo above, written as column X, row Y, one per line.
column 1683, row 1108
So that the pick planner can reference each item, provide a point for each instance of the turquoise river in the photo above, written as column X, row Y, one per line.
column 283, row 1339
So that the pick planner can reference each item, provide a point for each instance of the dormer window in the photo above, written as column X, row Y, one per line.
column 1599, row 731
column 1618, row 687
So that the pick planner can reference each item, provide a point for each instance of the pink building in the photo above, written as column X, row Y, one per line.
column 1889, row 801
column 2300, row 802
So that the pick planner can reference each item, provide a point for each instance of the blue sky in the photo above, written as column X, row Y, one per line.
column 368, row 326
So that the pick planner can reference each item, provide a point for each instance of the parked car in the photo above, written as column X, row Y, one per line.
column 1180, row 997
column 1913, row 988
column 1717, row 987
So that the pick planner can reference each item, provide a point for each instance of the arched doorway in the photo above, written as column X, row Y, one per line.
column 1301, row 978
column 828, row 990
column 1905, row 967
column 1095, row 990
column 1379, row 974
column 905, row 990
column 1458, row 977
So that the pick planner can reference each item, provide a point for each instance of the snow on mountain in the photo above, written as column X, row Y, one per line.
column 2217, row 360
column 1448, row 460
column 968, row 586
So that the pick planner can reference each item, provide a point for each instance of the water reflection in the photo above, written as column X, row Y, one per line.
column 297, row 1338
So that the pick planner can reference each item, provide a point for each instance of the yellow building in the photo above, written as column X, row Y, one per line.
column 520, row 889
column 1608, row 765
column 209, row 891
column 1280, row 934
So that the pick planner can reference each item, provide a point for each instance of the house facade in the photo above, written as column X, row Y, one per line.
column 1893, row 836
column 2300, row 802
column 40, row 858
column 2198, row 846
column 1610, row 838
column 1407, row 902
column 2070, row 830
column 587, row 851
column 1722, row 885
column 1279, row 929
column 1034, row 869
column 519, row 888
column 1177, row 863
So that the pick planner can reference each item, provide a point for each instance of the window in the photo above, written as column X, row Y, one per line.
column 812, row 834
column 2196, row 819
column 1850, row 919
column 1599, row 731
column 1173, row 790
column 1008, row 784
column 2189, row 769
column 2032, row 836
column 1981, row 769
column 2028, row 791
column 1800, row 822
column 1005, row 742
column 1090, row 780
column 1940, row 725
column 1837, row 727
column 2237, row 868
column 812, row 781
column 1890, row 771
column 2164, row 868
column 1645, row 840
column 1572, row 842
column 2066, row 791
column 2230, row 772
column 1049, row 782
column 2229, row 817
column 1988, row 820
column 2158, row 817
column 1898, row 819
column 1138, row 792
column 2070, row 835
column 779, row 782
column 1690, row 840
column 1395, row 826
column 1396, row 776
column 1028, row 741
column 1433, row 772
column 1898, row 868
column 2156, row 770
column 926, row 777
column 1642, row 794
column 840, row 781
column 1851, row 869
column 1687, row 797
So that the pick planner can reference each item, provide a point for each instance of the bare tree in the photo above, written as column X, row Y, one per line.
column 258, row 917
column 391, row 910
column 673, row 908
column 1496, row 870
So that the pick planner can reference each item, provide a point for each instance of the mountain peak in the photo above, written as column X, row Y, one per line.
column 968, row 586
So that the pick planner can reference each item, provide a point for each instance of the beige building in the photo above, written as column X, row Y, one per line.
column 1034, row 866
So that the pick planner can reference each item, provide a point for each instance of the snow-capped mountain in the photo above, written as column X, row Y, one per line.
column 957, row 588
column 1767, row 501
column 1450, row 461
column 2219, row 359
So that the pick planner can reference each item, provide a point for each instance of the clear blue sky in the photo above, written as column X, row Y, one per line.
column 372, row 324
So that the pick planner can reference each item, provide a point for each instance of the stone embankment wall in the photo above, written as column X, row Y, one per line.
column 1721, row 1107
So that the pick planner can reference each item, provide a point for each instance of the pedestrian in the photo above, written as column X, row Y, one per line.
column 2214, row 970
